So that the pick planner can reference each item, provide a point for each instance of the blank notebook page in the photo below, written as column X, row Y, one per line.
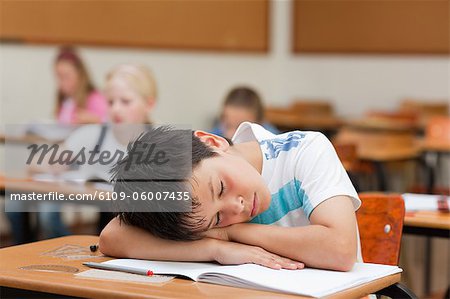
column 310, row 282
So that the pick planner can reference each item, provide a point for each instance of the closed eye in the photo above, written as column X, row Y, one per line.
column 222, row 188
column 217, row 219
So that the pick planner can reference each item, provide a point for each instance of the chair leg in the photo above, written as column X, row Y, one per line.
column 397, row 291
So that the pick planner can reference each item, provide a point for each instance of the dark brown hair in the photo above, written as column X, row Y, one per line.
column 85, row 87
column 247, row 98
column 131, row 177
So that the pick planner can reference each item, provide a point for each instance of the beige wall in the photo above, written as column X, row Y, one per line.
column 192, row 85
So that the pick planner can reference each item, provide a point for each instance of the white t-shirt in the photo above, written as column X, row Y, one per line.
column 301, row 170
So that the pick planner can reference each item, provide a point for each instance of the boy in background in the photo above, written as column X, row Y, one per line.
column 241, row 104
column 281, row 201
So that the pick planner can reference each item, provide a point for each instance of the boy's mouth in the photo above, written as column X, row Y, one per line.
column 254, row 205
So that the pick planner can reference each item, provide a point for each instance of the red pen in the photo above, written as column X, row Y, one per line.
column 127, row 269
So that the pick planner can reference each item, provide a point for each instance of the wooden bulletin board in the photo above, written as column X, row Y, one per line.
column 371, row 26
column 171, row 24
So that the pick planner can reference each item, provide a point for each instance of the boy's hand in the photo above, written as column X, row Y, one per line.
column 231, row 253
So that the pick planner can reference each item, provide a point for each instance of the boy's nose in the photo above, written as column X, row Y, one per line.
column 237, row 205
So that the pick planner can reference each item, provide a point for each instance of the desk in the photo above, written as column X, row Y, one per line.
column 427, row 224
column 11, row 276
column 382, row 124
column 380, row 156
column 286, row 119
column 379, row 147
column 27, row 139
column 436, row 148
column 2, row 184
column 434, row 145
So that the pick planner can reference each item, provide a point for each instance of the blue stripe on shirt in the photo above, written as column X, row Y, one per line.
column 288, row 198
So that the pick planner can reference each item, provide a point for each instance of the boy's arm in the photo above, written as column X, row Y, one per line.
column 120, row 240
column 330, row 242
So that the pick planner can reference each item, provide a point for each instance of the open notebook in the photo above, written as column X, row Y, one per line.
column 306, row 282
column 423, row 202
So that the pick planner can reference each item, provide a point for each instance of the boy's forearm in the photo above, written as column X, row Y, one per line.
column 120, row 240
column 131, row 242
column 315, row 245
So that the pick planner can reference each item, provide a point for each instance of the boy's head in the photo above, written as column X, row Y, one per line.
column 241, row 104
column 225, row 184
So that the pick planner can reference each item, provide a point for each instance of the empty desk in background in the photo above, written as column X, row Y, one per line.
column 369, row 123
column 435, row 145
column 380, row 147
column 291, row 118
column 426, row 223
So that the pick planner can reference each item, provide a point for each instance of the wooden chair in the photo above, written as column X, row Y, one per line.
column 438, row 129
column 347, row 153
column 380, row 223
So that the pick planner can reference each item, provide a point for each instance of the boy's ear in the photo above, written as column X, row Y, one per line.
column 211, row 140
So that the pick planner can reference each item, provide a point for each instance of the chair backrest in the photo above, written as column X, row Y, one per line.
column 438, row 128
column 347, row 154
column 380, row 223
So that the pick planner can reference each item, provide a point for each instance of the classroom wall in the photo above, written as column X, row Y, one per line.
column 192, row 84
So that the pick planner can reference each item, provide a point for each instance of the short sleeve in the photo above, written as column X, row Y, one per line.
column 321, row 174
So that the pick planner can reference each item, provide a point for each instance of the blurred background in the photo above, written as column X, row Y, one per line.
column 350, row 68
